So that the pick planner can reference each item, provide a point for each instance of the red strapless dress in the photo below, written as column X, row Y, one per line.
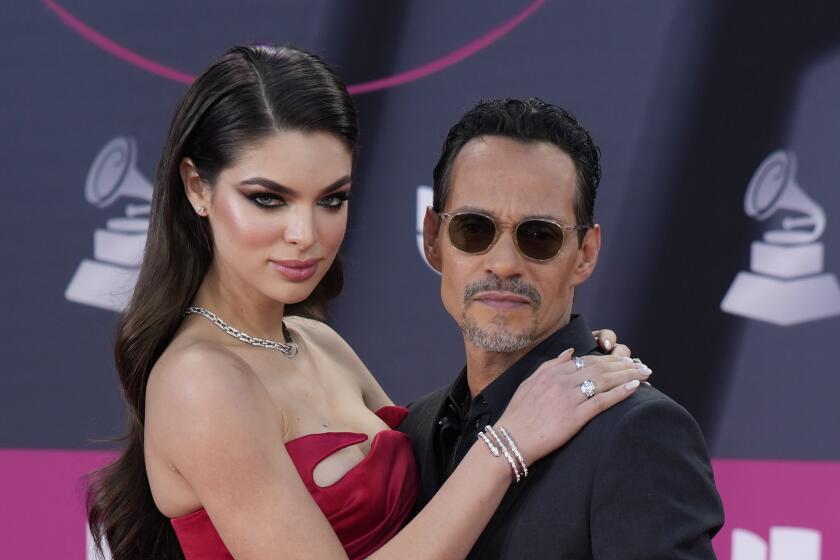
column 366, row 507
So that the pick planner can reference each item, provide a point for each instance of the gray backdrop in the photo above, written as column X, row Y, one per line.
column 686, row 100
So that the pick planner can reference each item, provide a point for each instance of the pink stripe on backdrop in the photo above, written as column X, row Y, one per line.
column 114, row 48
column 448, row 60
column 42, row 495
column 759, row 495
column 135, row 59
column 41, row 502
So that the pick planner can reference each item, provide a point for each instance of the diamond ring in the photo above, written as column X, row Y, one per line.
column 579, row 363
column 588, row 388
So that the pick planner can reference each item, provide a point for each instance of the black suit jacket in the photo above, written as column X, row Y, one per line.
column 635, row 483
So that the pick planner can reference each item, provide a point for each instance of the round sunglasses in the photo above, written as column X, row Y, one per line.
column 537, row 239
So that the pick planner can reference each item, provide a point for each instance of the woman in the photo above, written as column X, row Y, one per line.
column 219, row 367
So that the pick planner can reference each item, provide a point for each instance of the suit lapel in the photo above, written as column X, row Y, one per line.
column 423, row 432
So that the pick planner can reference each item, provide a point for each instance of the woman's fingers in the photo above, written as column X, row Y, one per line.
column 606, row 339
column 558, row 406
column 605, row 381
column 590, row 364
column 553, row 364
column 611, row 362
column 608, row 342
column 602, row 401
column 621, row 350
column 564, row 356
column 551, row 406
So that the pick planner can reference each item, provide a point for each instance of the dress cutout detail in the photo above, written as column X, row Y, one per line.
column 366, row 506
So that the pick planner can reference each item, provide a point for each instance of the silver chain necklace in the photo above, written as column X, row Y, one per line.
column 289, row 349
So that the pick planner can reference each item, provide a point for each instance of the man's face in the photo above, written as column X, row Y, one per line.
column 503, row 301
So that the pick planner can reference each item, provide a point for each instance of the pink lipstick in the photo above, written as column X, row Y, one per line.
column 296, row 271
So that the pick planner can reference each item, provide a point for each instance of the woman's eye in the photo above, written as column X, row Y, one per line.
column 266, row 200
column 334, row 201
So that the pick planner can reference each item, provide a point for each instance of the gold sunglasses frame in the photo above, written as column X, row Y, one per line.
column 499, row 226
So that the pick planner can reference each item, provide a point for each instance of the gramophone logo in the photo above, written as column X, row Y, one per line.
column 786, row 284
column 108, row 279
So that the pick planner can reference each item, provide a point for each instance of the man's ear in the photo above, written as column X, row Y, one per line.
column 196, row 189
column 431, row 238
column 587, row 255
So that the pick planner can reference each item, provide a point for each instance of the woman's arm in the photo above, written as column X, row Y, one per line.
column 544, row 413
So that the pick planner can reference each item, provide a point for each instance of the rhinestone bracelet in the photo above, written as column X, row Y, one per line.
column 493, row 449
column 515, row 450
column 489, row 429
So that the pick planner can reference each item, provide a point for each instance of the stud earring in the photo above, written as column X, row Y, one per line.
column 200, row 209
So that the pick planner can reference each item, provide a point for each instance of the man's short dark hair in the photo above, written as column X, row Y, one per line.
column 527, row 121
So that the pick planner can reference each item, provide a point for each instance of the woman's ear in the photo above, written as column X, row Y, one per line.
column 195, row 188
column 431, row 234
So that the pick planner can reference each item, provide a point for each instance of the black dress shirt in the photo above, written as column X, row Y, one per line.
column 463, row 418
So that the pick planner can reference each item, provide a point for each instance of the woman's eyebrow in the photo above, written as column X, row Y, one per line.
column 283, row 189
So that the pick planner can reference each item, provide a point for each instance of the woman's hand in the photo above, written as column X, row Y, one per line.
column 549, row 407
column 608, row 342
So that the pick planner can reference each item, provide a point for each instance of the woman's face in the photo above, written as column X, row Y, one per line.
column 279, row 213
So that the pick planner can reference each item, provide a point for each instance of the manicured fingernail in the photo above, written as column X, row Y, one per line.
column 564, row 352
column 632, row 385
column 646, row 371
column 607, row 343
column 646, row 383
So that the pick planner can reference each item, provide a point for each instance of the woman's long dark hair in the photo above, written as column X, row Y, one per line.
column 246, row 95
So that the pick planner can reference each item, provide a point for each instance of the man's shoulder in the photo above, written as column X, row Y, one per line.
column 630, row 436
column 649, row 419
column 647, row 400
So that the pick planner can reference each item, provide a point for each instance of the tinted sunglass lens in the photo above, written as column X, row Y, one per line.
column 539, row 239
column 471, row 233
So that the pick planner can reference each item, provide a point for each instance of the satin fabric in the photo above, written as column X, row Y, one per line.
column 366, row 506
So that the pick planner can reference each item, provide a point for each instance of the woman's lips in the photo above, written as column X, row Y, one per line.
column 296, row 271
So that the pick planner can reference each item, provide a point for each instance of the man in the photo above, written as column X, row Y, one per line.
column 511, row 231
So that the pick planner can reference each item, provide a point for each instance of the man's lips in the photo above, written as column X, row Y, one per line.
column 502, row 300
column 294, row 270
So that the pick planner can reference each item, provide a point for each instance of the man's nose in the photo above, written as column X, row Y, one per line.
column 503, row 258
column 300, row 230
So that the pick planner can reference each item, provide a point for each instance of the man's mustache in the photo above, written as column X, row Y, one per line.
column 499, row 284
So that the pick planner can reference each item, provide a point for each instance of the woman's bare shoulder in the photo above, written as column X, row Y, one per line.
column 195, row 380
column 194, row 362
